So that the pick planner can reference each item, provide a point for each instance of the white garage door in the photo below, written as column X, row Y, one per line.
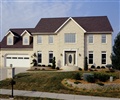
column 18, row 60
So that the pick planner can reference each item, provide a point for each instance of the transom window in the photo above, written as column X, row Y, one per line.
column 103, row 57
column 39, row 39
column 103, row 38
column 70, row 37
column 90, row 57
column 50, row 56
column 50, row 38
column 90, row 38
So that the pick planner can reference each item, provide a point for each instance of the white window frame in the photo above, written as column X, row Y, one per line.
column 50, row 52
column 68, row 41
column 8, row 41
column 103, row 38
column 24, row 40
column 39, row 41
column 39, row 52
column 89, row 37
column 50, row 39
column 103, row 52
column 90, row 52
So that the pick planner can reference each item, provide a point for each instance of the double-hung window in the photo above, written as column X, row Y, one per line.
column 50, row 39
column 90, row 57
column 50, row 56
column 25, row 40
column 90, row 38
column 39, row 57
column 9, row 41
column 103, row 57
column 103, row 38
column 70, row 37
column 39, row 39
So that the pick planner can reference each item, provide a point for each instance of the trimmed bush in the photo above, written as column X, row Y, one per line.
column 49, row 65
column 43, row 65
column 57, row 68
column 90, row 78
column 39, row 65
column 103, row 67
column 93, row 66
column 77, row 76
column 85, row 75
column 98, row 67
column 80, row 69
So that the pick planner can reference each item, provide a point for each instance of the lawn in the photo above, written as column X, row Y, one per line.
column 50, row 82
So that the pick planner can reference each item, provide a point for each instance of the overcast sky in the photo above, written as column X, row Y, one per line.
column 27, row 13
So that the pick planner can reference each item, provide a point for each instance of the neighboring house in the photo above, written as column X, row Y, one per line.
column 69, row 39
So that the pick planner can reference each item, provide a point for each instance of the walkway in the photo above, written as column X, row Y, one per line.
column 53, row 95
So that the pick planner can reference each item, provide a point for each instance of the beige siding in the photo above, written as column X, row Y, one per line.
column 97, row 47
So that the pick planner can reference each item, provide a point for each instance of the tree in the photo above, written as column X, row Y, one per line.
column 116, row 53
column 53, row 63
column 85, row 64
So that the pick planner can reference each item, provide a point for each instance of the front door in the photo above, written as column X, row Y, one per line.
column 70, row 58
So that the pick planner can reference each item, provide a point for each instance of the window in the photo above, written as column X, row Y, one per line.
column 70, row 38
column 39, row 39
column 90, row 57
column 39, row 57
column 10, row 41
column 90, row 37
column 103, row 57
column 103, row 38
column 50, row 39
column 50, row 56
column 25, row 41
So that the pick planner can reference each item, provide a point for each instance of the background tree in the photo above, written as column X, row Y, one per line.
column 116, row 53
column 85, row 64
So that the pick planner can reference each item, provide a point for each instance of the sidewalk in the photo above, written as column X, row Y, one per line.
column 53, row 95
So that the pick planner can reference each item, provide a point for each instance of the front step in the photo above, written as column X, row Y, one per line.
column 70, row 68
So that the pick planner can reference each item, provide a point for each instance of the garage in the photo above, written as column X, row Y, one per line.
column 18, row 60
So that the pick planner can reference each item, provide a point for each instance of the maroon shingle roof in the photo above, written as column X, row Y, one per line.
column 50, row 25
column 90, row 24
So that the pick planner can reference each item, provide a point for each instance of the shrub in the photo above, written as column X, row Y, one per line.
column 98, row 67
column 39, row 65
column 77, row 76
column 57, row 68
column 43, row 65
column 85, row 75
column 80, row 69
column 109, row 66
column 90, row 78
column 85, row 64
column 49, row 65
column 93, row 66
column 53, row 63
column 103, row 67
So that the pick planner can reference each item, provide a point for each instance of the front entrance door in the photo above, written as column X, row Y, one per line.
column 70, row 58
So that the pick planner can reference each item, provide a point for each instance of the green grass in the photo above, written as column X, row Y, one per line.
column 25, row 98
column 49, row 82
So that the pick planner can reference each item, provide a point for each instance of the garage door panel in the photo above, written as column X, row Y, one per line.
column 18, row 60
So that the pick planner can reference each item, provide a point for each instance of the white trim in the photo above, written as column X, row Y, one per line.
column 76, row 62
column 25, row 31
column 70, row 18
column 10, row 33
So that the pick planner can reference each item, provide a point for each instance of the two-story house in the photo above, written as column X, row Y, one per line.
column 68, row 39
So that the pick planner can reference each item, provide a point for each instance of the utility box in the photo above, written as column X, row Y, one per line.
column 111, row 78
column 10, row 72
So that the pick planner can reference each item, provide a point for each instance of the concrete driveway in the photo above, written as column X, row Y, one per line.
column 3, row 72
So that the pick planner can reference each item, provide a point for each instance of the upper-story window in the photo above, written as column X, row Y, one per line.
column 103, row 38
column 25, row 40
column 39, row 39
column 10, row 41
column 90, row 38
column 50, row 39
column 70, row 37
